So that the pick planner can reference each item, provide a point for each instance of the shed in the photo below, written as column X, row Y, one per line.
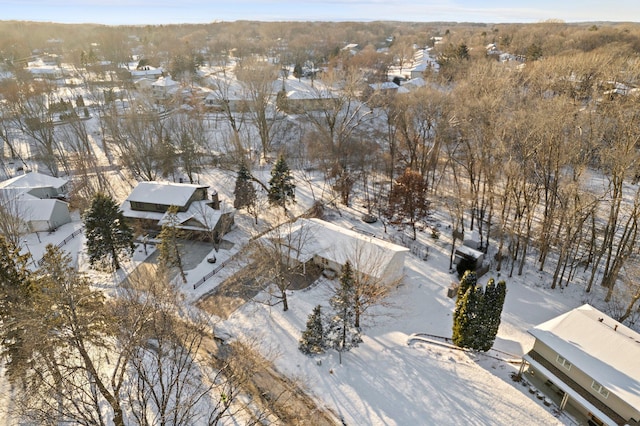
column 470, row 255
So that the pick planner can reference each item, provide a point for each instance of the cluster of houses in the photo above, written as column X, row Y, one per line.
column 583, row 360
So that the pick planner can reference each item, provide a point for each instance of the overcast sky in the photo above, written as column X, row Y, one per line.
column 116, row 12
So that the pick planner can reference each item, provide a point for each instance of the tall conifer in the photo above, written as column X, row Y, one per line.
column 342, row 334
column 108, row 234
column 312, row 340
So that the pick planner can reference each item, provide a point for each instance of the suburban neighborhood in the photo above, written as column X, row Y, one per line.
column 381, row 224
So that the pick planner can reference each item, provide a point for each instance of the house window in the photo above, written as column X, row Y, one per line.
column 600, row 389
column 563, row 362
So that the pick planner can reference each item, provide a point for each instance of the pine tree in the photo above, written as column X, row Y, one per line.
column 16, row 294
column 107, row 233
column 342, row 334
column 244, row 192
column 312, row 340
column 281, row 185
column 169, row 247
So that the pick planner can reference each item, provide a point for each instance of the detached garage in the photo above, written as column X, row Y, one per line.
column 44, row 215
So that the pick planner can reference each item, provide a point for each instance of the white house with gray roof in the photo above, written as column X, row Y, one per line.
column 38, row 199
column 330, row 246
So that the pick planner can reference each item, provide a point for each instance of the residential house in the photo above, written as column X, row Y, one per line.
column 164, row 88
column 377, row 94
column 37, row 199
column 49, row 70
column 148, row 72
column 330, row 246
column 227, row 93
column 591, row 361
column 39, row 185
column 198, row 214
column 423, row 61
column 303, row 95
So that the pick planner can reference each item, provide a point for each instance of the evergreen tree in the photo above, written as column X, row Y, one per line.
column 465, row 319
column 281, row 185
column 16, row 290
column 469, row 279
column 477, row 314
column 312, row 340
column 297, row 70
column 342, row 334
column 492, row 304
column 107, row 233
column 244, row 192
column 169, row 248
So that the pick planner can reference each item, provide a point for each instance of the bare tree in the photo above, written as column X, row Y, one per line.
column 33, row 103
column 258, row 78
column 279, row 259
column 13, row 216
column 170, row 247
column 372, row 283
column 335, row 143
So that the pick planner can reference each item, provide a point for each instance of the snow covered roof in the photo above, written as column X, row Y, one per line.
column 165, row 193
column 387, row 85
column 225, row 87
column 198, row 211
column 596, row 344
column 167, row 82
column 146, row 71
column 37, row 209
column 33, row 180
column 303, row 89
column 468, row 251
column 338, row 244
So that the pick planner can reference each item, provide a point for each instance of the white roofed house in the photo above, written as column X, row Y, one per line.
column 164, row 88
column 198, row 214
column 330, row 246
column 301, row 96
column 592, row 362
column 37, row 200
column 227, row 94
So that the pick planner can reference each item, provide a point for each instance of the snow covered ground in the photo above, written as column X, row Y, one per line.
column 390, row 379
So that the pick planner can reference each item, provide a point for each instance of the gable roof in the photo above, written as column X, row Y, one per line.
column 167, row 82
column 599, row 346
column 200, row 212
column 165, row 193
column 338, row 244
column 33, row 180
column 37, row 209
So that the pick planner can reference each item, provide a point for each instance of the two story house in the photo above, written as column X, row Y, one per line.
column 199, row 215
column 592, row 362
